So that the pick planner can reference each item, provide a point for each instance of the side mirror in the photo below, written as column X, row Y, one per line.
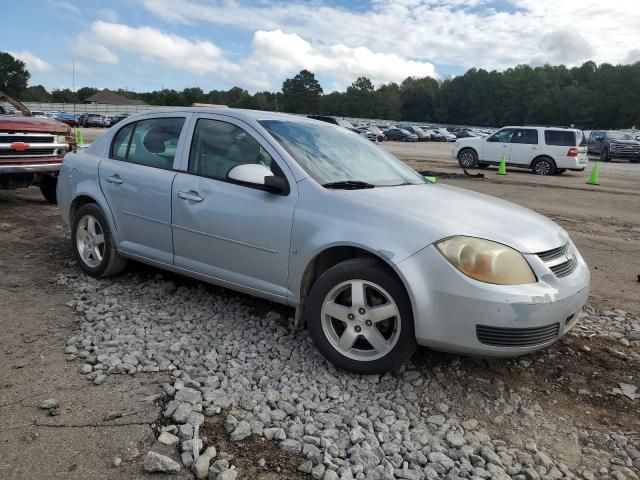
column 257, row 175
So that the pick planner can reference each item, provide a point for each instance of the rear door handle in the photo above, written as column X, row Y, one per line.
column 114, row 179
column 191, row 196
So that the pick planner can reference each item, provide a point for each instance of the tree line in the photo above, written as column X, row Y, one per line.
column 589, row 96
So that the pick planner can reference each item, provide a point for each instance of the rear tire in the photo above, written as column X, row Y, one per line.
column 544, row 166
column 93, row 244
column 351, row 332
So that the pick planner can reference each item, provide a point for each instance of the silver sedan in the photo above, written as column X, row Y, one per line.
column 374, row 259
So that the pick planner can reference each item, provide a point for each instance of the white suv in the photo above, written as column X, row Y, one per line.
column 545, row 150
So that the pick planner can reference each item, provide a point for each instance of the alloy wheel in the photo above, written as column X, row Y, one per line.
column 90, row 241
column 361, row 320
column 543, row 167
column 466, row 158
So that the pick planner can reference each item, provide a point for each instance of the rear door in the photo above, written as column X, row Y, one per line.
column 136, row 180
column 497, row 146
column 524, row 146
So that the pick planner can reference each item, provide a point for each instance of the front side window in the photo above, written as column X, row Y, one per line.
column 561, row 138
column 219, row 146
column 502, row 136
column 151, row 142
column 329, row 154
column 525, row 135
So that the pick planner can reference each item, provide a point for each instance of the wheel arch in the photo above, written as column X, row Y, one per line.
column 332, row 255
column 468, row 147
column 85, row 198
column 544, row 155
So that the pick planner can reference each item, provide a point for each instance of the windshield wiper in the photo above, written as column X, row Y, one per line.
column 348, row 185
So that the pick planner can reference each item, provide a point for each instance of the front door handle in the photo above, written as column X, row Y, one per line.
column 191, row 196
column 115, row 178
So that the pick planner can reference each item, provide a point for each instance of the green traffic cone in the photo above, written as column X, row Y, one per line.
column 502, row 169
column 430, row 179
column 593, row 178
column 80, row 139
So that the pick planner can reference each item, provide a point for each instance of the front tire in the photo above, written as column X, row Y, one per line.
column 544, row 166
column 467, row 158
column 48, row 187
column 360, row 318
column 604, row 155
column 93, row 244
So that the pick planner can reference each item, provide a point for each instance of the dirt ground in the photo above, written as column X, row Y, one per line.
column 94, row 424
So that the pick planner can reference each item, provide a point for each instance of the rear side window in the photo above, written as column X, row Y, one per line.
column 561, row 138
column 151, row 142
column 525, row 135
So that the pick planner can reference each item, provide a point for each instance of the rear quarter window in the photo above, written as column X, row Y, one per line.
column 560, row 138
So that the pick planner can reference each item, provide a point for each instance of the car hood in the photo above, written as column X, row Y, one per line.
column 32, row 124
column 625, row 142
column 444, row 211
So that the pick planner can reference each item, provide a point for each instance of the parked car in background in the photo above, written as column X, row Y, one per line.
column 400, row 134
column 614, row 144
column 545, row 150
column 31, row 150
column 335, row 121
column 465, row 134
column 419, row 132
column 38, row 114
column 265, row 203
column 94, row 120
column 374, row 134
column 118, row 118
column 442, row 135
column 71, row 119
column 82, row 118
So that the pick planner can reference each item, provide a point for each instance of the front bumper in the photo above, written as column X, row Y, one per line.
column 449, row 306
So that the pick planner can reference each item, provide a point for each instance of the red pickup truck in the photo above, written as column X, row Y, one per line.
column 31, row 149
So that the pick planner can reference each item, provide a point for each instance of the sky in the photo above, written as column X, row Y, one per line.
column 146, row 45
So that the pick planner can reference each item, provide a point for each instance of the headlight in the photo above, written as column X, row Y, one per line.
column 486, row 261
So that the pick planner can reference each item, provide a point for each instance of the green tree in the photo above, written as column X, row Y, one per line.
column 65, row 95
column 37, row 93
column 301, row 94
column 14, row 76
column 418, row 97
column 85, row 92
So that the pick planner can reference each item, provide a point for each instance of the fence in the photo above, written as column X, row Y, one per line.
column 101, row 108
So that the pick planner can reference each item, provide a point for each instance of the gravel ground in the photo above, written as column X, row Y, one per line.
column 430, row 420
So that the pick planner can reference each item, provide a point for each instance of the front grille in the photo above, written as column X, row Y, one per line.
column 26, row 153
column 554, row 253
column 564, row 269
column 25, row 139
column 516, row 337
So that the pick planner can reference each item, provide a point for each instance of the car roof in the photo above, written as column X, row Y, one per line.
column 238, row 113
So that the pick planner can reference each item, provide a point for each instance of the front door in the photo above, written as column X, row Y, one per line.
column 235, row 233
column 497, row 146
column 136, row 180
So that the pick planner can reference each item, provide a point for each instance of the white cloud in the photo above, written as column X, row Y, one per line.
column 281, row 53
column 64, row 5
column 467, row 33
column 86, row 46
column 33, row 62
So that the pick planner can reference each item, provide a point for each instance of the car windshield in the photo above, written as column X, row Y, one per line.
column 418, row 130
column 329, row 154
column 619, row 136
